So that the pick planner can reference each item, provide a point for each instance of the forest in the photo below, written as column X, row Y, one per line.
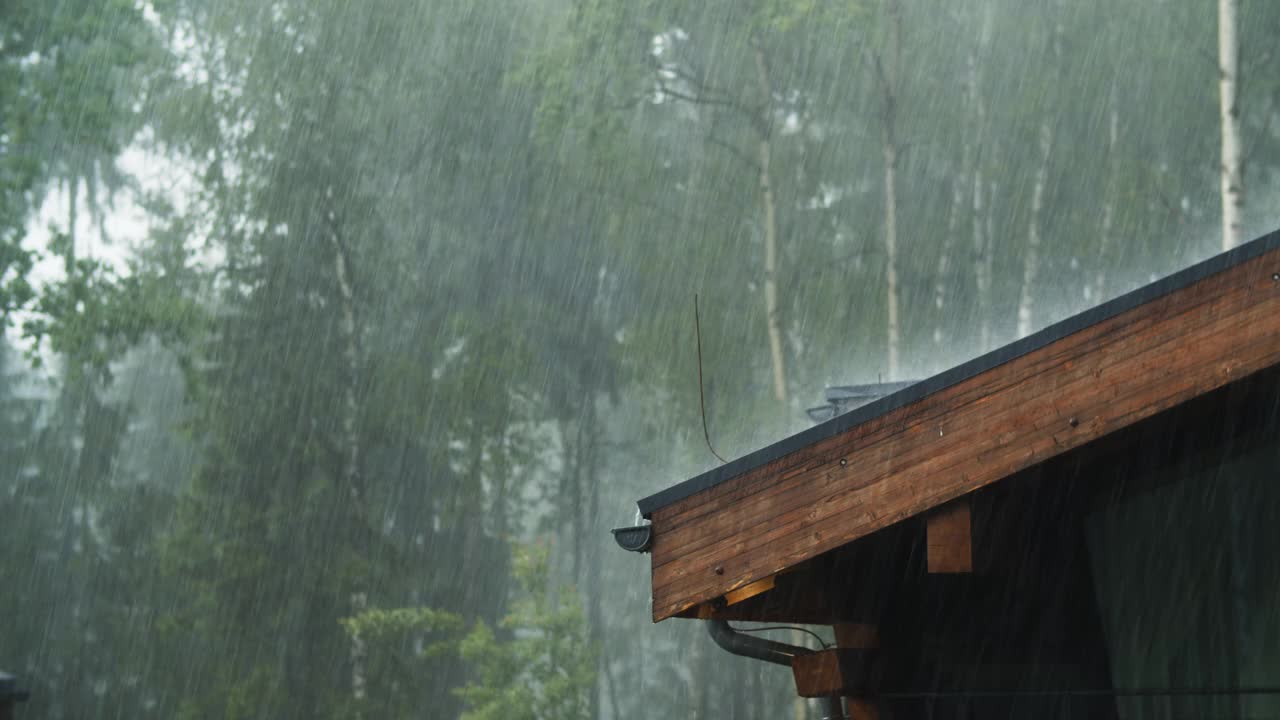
column 338, row 334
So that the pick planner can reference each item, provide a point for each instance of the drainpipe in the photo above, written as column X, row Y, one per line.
column 771, row 652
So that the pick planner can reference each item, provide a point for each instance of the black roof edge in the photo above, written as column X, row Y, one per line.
column 839, row 424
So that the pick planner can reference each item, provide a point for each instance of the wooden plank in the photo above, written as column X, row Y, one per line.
column 946, row 399
column 1012, row 458
column 887, row 441
column 717, row 610
column 949, row 538
column 910, row 460
column 1002, row 440
column 794, row 490
column 861, row 636
column 746, row 592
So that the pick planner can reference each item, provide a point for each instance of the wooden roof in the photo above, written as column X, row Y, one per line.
column 723, row 533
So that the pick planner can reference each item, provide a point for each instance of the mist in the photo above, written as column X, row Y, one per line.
column 339, row 334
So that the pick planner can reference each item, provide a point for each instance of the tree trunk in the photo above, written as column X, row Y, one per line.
column 73, row 198
column 964, row 174
column 889, row 148
column 593, row 583
column 982, row 219
column 993, row 194
column 944, row 254
column 891, row 249
column 350, row 357
column 984, row 233
column 1109, row 201
column 350, row 438
column 981, row 282
column 1232, row 176
column 769, row 206
column 1031, row 259
column 573, row 459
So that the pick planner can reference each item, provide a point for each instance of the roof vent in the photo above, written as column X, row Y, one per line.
column 10, row 694
column 843, row 398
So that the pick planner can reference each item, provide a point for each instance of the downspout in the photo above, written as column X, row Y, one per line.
column 771, row 652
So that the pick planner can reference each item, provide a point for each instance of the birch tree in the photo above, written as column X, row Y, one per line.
column 1035, row 231
column 959, row 181
column 769, row 212
column 1231, row 173
column 966, row 183
column 982, row 216
column 350, row 436
column 887, row 70
column 1108, row 221
column 755, row 104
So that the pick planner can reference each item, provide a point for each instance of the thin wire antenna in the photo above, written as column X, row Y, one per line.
column 702, row 398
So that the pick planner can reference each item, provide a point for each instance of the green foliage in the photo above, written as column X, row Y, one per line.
column 523, row 218
column 72, row 75
column 15, row 287
column 546, row 670
column 378, row 624
column 96, row 315
column 403, row 647
column 538, row 665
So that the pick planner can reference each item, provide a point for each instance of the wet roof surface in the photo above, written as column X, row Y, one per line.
column 919, row 390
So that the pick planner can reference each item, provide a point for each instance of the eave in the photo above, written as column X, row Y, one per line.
column 947, row 436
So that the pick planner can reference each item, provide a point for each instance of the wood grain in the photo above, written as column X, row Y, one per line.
column 945, row 445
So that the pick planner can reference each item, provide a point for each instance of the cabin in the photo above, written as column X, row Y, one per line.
column 1081, row 524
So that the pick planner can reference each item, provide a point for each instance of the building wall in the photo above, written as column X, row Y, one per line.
column 1186, row 567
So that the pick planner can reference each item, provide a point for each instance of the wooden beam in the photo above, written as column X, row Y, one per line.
column 1036, row 405
column 834, row 671
column 720, row 610
column 747, row 592
column 861, row 636
column 949, row 538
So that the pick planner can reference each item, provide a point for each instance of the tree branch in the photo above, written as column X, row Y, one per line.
column 733, row 151
column 697, row 99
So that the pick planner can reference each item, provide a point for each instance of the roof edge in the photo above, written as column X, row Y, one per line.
column 841, row 423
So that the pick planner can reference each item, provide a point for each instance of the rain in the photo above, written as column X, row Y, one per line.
column 339, row 335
